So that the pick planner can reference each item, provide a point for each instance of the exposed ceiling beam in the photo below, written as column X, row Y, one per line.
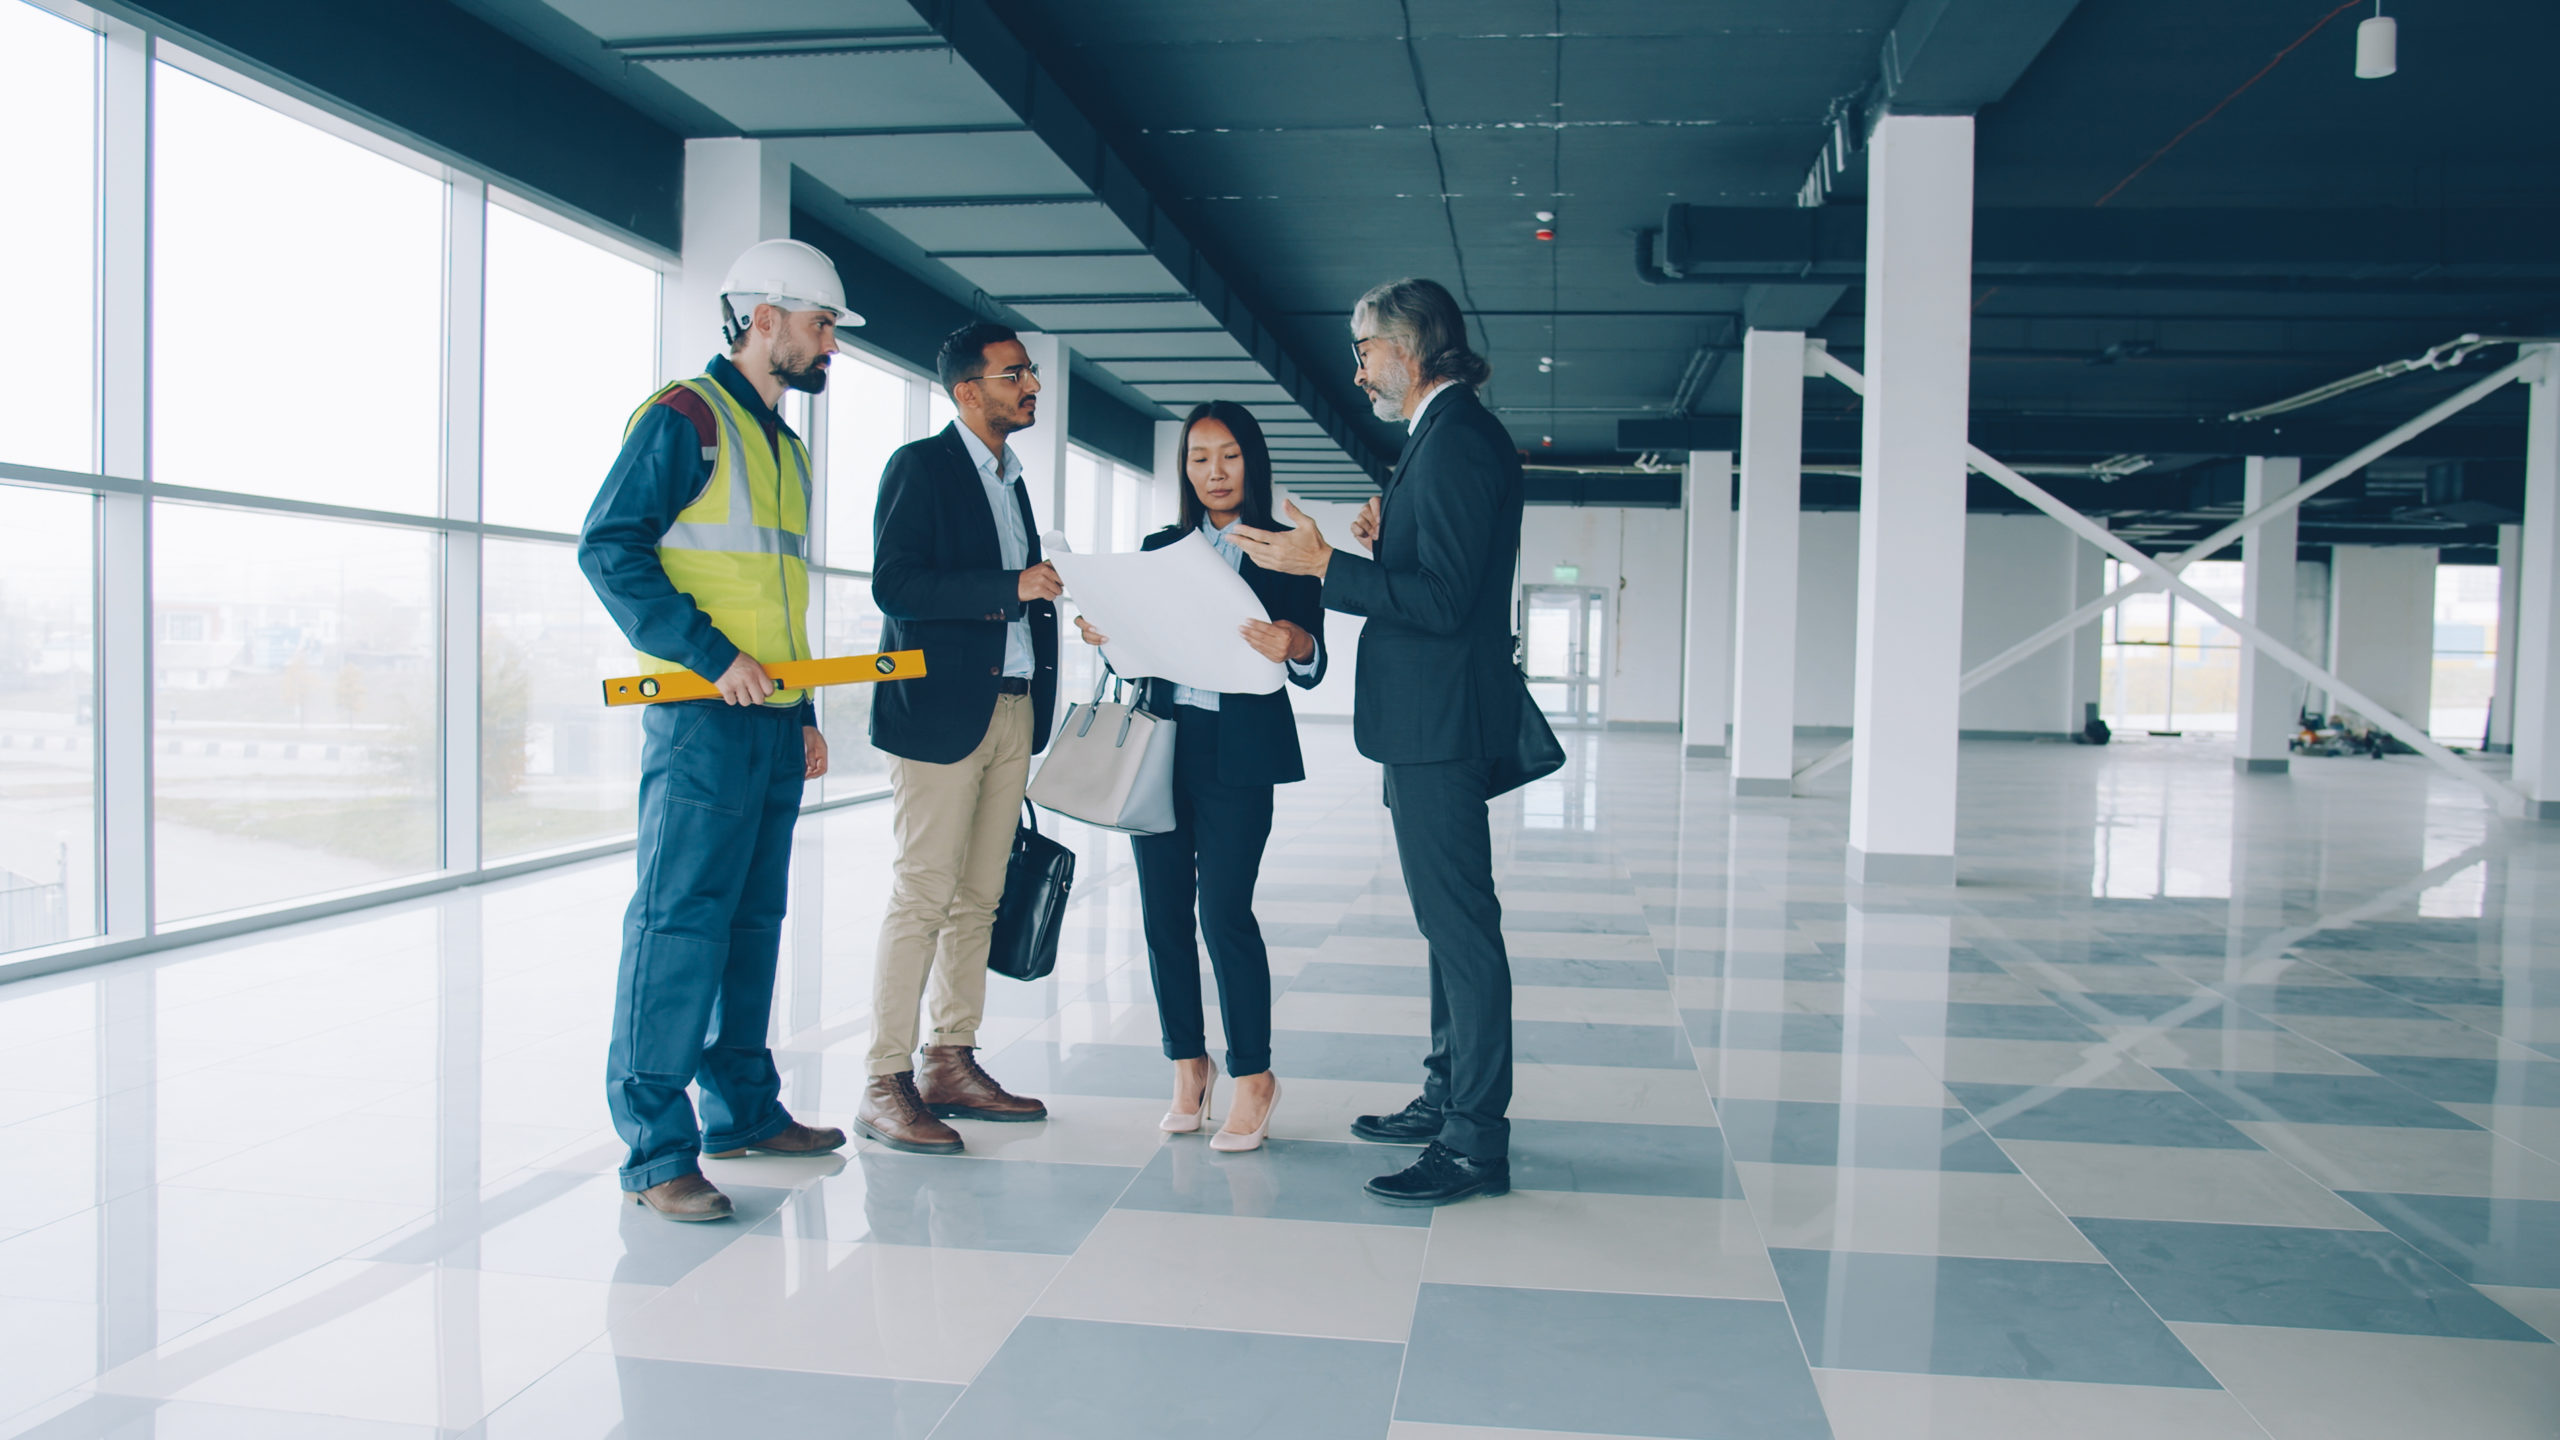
column 2091, row 437
column 1724, row 241
column 1023, row 80
column 1942, row 57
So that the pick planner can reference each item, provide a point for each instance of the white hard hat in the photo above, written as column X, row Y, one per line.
column 792, row 274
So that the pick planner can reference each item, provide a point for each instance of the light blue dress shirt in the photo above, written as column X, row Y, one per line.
column 1013, row 542
column 1227, row 551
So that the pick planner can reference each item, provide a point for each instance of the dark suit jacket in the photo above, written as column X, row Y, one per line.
column 1437, row 680
column 1257, row 734
column 938, row 575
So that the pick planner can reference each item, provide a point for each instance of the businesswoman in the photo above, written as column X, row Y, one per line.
column 1229, row 751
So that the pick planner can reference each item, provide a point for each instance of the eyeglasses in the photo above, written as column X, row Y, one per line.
column 1015, row 374
column 1360, row 357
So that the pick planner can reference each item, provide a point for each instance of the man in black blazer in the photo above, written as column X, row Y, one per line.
column 957, row 574
column 1437, row 698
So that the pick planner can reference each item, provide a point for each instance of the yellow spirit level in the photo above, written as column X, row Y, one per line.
column 788, row 675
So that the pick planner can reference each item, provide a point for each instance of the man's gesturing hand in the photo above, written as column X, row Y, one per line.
column 1040, row 582
column 1302, row 551
column 1364, row 526
column 744, row 682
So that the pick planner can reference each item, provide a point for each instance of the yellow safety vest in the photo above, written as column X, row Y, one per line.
column 741, row 549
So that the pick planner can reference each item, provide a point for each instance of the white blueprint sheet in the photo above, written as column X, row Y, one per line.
column 1174, row 614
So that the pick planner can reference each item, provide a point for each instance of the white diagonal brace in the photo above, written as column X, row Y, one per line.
column 2381, row 445
column 2506, row 799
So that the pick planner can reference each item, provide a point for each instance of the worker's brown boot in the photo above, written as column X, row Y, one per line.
column 894, row 1115
column 686, row 1197
column 953, row 1085
column 795, row 1139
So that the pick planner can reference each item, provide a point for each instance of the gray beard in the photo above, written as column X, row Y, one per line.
column 1389, row 404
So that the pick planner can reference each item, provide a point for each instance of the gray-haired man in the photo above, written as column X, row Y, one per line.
column 1437, row 699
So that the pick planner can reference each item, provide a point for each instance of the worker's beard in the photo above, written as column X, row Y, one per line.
column 800, row 370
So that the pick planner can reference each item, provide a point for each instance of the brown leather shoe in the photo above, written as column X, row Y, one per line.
column 894, row 1115
column 686, row 1197
column 796, row 1139
column 953, row 1085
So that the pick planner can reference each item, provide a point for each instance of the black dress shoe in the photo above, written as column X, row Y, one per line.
column 1440, row 1176
column 1417, row 1121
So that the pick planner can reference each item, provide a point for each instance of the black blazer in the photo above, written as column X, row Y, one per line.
column 938, row 575
column 1437, row 680
column 1257, row 734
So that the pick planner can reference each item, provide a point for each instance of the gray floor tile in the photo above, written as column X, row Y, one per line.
column 2004, row 1319
column 1883, row 1137
column 2297, row 1276
column 1570, row 1360
column 1098, row 1380
column 1608, row 1159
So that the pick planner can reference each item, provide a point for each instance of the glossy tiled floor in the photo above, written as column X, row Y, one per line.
column 2204, row 1107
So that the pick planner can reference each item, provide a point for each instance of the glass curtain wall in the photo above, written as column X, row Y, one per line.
column 48, row 585
column 288, row 557
column 341, row 607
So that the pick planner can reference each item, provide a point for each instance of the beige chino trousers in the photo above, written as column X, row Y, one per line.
column 954, row 825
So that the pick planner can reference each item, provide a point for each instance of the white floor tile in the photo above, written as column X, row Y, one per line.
column 1908, row 1212
column 2417, row 1162
column 2160, row 1182
column 903, row 1312
column 1219, row 1272
column 407, row 1344
column 1634, row 1244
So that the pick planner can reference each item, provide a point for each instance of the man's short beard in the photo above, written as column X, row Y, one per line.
column 801, row 372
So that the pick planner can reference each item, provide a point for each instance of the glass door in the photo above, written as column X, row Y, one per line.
column 1565, row 627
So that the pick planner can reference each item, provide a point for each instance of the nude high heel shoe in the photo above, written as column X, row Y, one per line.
column 1187, row 1122
column 1251, row 1139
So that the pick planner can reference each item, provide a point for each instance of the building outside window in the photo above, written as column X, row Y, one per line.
column 2165, row 665
column 2466, row 659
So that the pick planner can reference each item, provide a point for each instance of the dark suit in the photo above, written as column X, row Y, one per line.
column 940, row 581
column 1437, row 697
column 1225, row 763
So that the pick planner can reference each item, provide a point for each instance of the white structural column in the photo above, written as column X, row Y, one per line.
column 2502, row 684
column 1043, row 447
column 2382, row 627
column 2537, row 706
column 2088, row 643
column 1764, row 631
column 1902, row 794
column 1706, row 632
column 2263, row 743
column 736, row 192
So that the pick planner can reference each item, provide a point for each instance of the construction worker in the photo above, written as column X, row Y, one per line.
column 698, row 547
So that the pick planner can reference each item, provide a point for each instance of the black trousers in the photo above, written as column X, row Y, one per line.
column 1208, row 860
column 1445, row 840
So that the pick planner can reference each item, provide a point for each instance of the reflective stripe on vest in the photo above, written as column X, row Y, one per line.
column 740, row 549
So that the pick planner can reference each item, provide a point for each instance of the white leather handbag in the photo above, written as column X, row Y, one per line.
column 1109, row 765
